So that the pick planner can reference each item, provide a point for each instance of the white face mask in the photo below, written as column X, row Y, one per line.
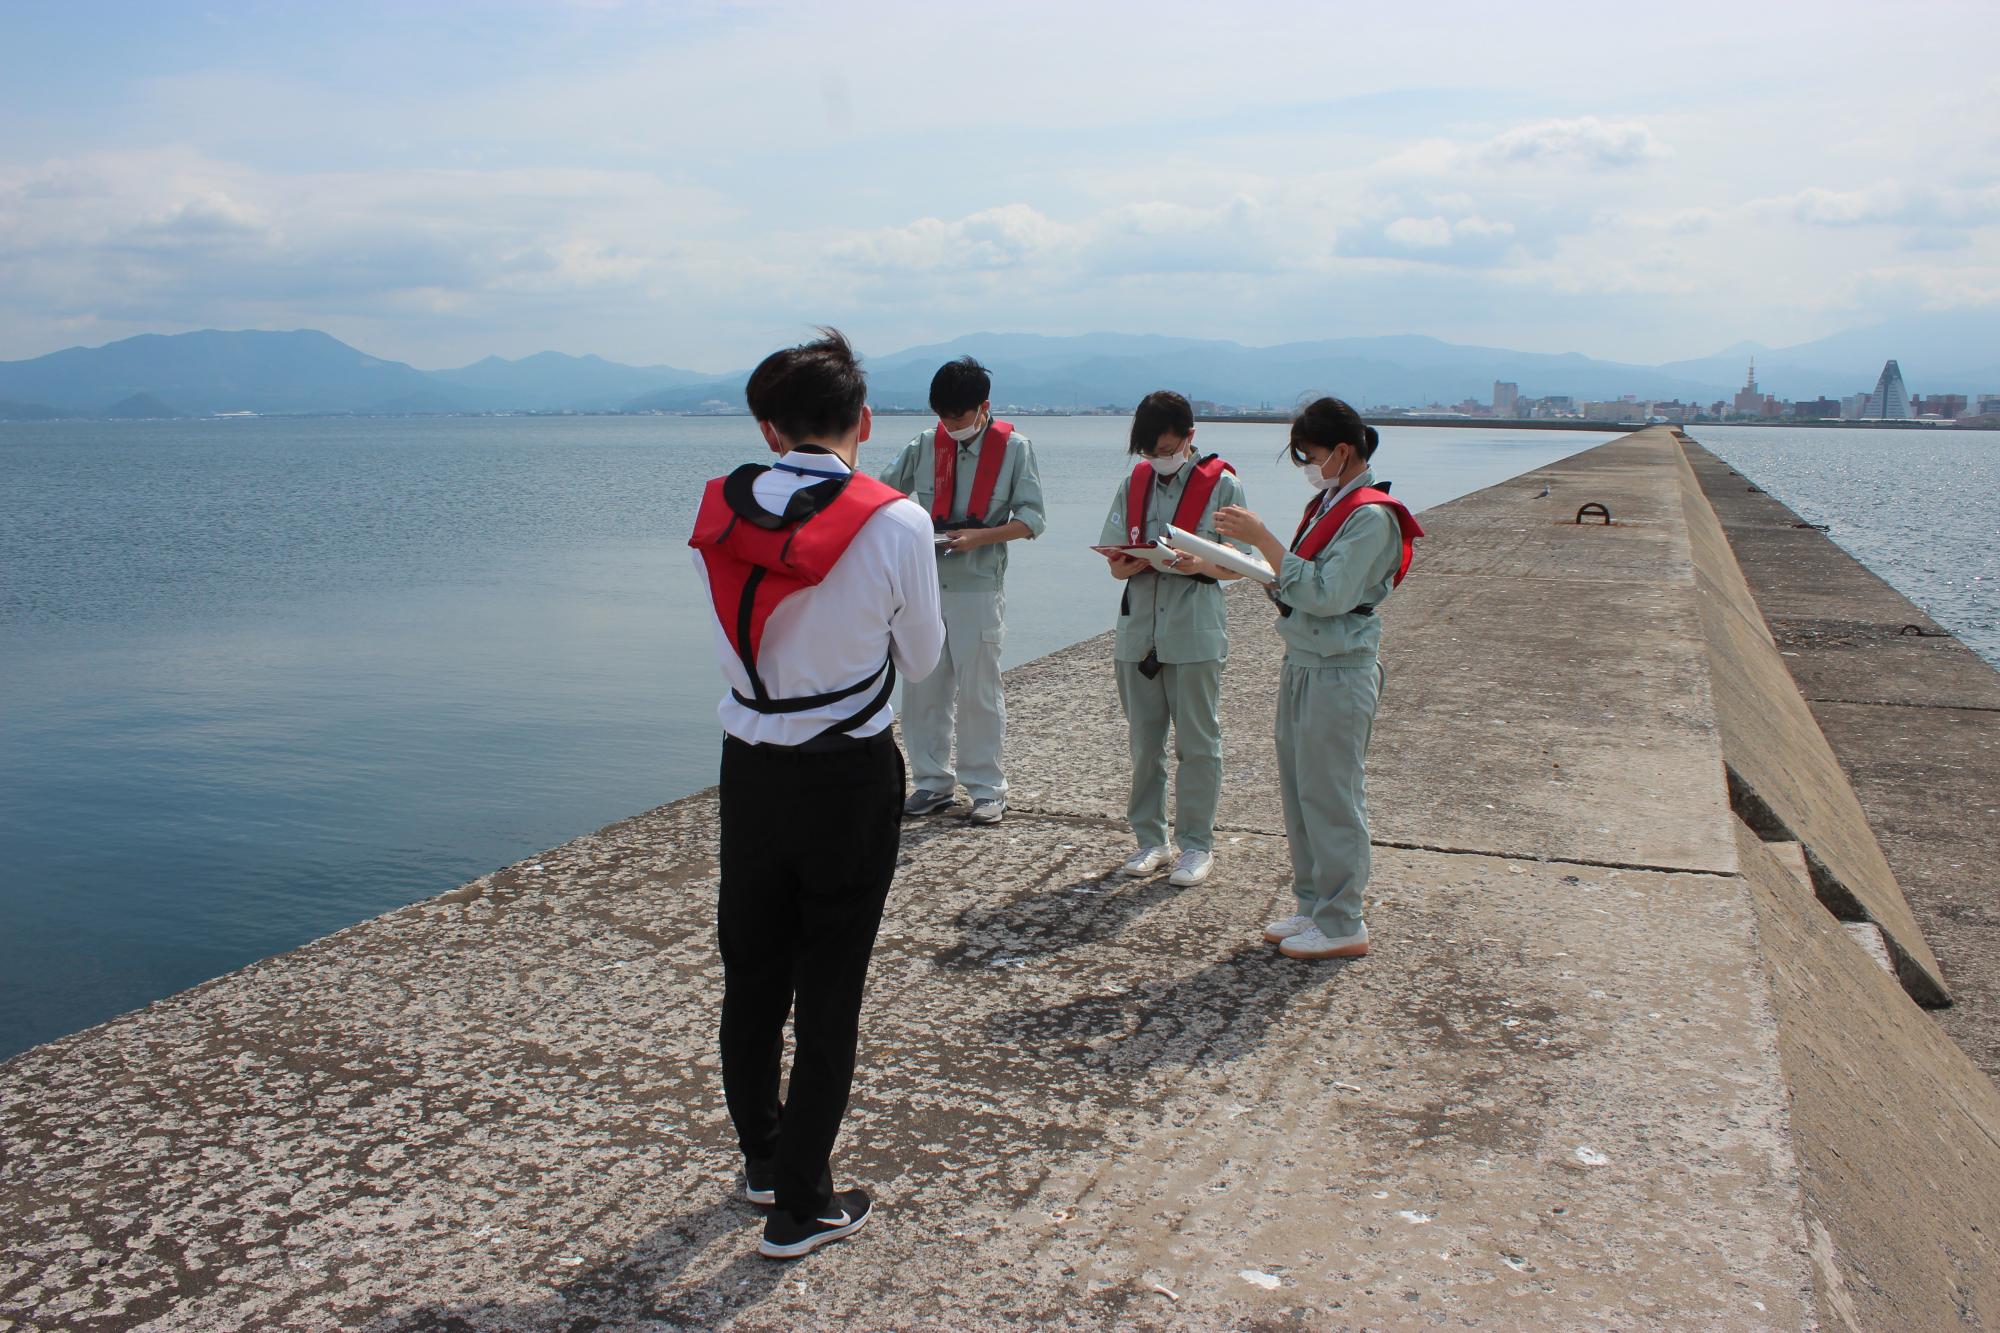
column 1316, row 479
column 1166, row 467
column 977, row 428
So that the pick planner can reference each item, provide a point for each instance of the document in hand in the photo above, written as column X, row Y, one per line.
column 1249, row 566
column 1155, row 555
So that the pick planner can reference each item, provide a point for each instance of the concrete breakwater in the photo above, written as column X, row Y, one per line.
column 1914, row 717
column 1618, row 1060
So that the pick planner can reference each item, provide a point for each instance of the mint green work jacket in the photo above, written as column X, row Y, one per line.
column 1182, row 619
column 1017, row 493
column 1357, row 568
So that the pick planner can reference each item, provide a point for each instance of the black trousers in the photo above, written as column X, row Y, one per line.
column 809, row 843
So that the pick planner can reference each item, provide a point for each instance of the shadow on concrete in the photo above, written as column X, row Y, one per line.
column 1080, row 913
column 1216, row 1015
column 637, row 1288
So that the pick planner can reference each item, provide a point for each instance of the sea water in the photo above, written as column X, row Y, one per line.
column 264, row 678
column 1921, row 508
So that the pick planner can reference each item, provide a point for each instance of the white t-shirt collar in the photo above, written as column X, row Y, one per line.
column 812, row 463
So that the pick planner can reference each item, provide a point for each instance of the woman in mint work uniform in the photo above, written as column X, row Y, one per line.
column 1351, row 549
column 1172, row 639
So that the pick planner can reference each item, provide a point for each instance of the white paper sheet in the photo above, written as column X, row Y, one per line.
column 1250, row 566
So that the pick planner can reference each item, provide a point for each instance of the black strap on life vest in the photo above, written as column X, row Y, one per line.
column 803, row 504
column 805, row 703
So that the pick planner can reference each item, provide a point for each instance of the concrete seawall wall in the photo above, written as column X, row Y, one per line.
column 1783, row 776
column 1591, row 1077
column 1913, row 716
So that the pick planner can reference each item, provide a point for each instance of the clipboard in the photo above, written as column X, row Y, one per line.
column 1228, row 557
column 1153, row 554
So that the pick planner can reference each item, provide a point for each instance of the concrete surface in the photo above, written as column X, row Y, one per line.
column 1898, row 1132
column 1555, row 1097
column 1914, row 720
column 1784, row 777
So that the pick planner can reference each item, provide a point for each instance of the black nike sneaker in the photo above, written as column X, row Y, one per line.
column 785, row 1237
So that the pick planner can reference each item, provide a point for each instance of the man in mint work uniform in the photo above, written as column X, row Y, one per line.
column 977, row 477
column 1352, row 547
column 1172, row 639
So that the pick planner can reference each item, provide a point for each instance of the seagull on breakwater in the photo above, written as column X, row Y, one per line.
column 1544, row 491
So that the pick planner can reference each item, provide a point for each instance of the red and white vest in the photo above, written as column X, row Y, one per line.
column 1194, row 500
column 756, row 559
column 944, row 474
column 1312, row 538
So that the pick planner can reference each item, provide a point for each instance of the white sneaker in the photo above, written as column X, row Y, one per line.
column 1146, row 861
column 1285, row 929
column 1192, row 867
column 1311, row 943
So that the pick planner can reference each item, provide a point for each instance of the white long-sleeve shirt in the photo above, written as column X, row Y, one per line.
column 880, row 602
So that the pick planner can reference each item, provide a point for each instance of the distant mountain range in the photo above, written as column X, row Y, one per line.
column 305, row 371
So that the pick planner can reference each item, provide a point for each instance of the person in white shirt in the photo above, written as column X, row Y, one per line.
column 824, row 587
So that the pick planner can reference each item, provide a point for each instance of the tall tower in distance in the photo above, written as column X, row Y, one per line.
column 1890, row 401
column 1749, row 400
column 1505, row 397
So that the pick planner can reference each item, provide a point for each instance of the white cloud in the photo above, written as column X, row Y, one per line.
column 1472, row 240
column 1419, row 233
column 1893, row 203
column 1586, row 140
column 1150, row 237
column 686, row 181
column 175, row 238
column 994, row 238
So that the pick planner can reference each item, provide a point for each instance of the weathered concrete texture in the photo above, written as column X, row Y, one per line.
column 1783, row 774
column 1898, row 1132
column 1915, row 722
column 499, row 1110
column 1545, row 675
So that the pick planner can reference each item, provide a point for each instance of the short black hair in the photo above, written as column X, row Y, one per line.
column 1160, row 412
column 813, row 390
column 1327, row 422
column 959, row 386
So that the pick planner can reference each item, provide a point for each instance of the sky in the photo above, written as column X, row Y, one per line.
column 693, row 184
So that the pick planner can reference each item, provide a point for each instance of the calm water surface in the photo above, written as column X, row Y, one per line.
column 263, row 679
column 1920, row 508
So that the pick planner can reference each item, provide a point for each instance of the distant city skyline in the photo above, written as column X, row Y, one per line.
column 695, row 183
column 224, row 373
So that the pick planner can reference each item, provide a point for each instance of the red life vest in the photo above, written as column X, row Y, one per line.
column 1194, row 500
column 944, row 472
column 1307, row 545
column 756, row 559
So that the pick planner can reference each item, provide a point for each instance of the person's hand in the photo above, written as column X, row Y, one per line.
column 1183, row 563
column 1237, row 522
column 1125, row 566
column 965, row 539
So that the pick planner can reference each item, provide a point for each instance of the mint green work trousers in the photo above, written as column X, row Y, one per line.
column 1326, row 715
column 1188, row 697
column 962, row 700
